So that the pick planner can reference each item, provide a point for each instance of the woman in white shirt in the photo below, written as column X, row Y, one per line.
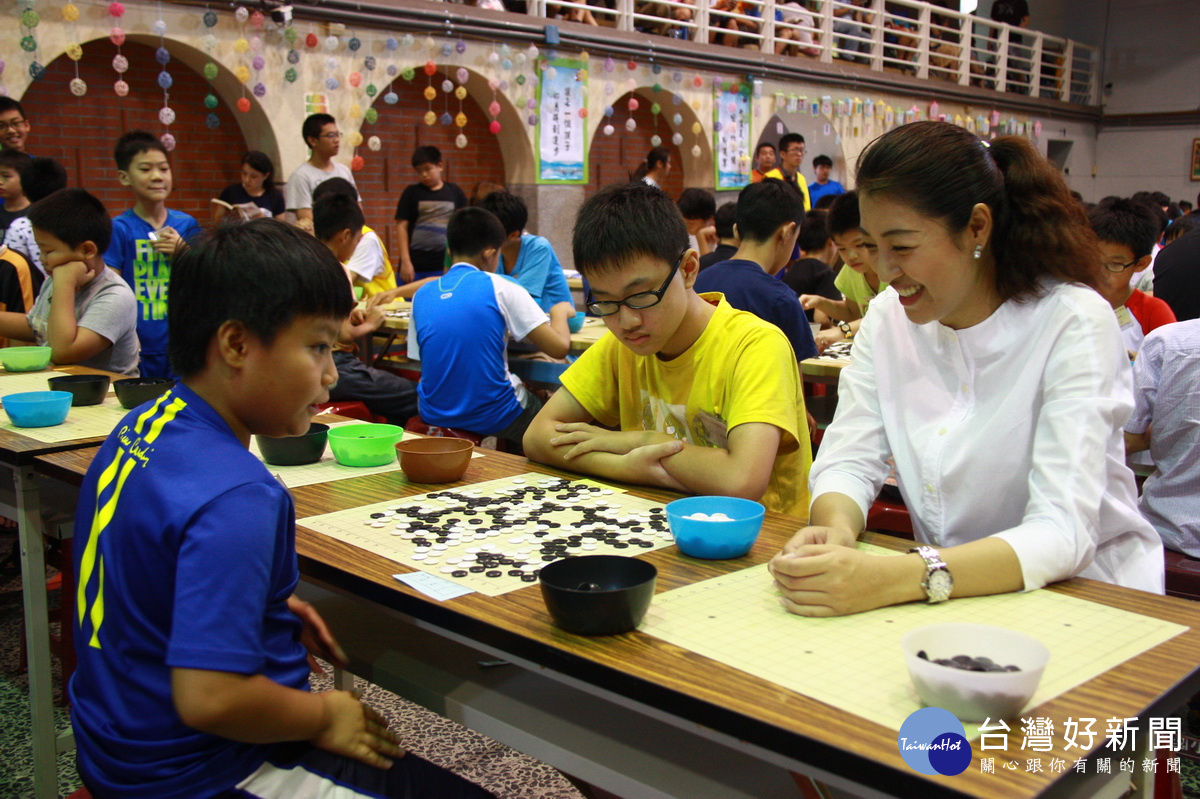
column 655, row 168
column 995, row 380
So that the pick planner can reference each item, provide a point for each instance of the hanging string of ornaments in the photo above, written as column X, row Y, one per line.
column 70, row 13
column 209, row 42
column 165, row 114
column 117, row 36
column 29, row 43
column 241, row 46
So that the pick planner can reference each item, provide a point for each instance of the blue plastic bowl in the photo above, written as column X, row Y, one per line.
column 575, row 323
column 715, row 540
column 38, row 408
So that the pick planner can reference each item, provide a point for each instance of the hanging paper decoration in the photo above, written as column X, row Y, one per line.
column 165, row 114
column 74, row 52
column 117, row 37
column 211, row 120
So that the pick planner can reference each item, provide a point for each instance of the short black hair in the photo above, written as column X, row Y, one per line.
column 311, row 129
column 41, row 177
column 73, row 216
column 825, row 201
column 1185, row 206
column 335, row 212
column 9, row 104
column 14, row 160
column 133, row 144
column 763, row 208
column 843, row 214
column 426, row 154
column 263, row 274
column 724, row 220
column 761, row 145
column 335, row 186
column 1126, row 221
column 508, row 208
column 697, row 204
column 822, row 160
column 472, row 230
column 788, row 139
column 814, row 232
column 626, row 221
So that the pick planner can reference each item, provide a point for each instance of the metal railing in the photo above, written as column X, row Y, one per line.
column 907, row 36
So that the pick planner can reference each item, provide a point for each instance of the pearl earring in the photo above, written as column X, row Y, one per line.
column 978, row 251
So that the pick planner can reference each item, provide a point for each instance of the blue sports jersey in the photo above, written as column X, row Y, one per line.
column 539, row 271
column 185, row 554
column 148, row 273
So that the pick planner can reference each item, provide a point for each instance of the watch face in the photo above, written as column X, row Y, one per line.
column 939, row 584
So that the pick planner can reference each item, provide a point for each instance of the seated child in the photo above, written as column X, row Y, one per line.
column 706, row 398
column 699, row 210
column 1128, row 231
column 40, row 177
column 16, row 286
column 460, row 328
column 724, row 223
column 368, row 264
column 528, row 259
column 84, row 312
column 768, row 215
column 338, row 223
column 811, row 274
column 194, row 677
column 15, row 201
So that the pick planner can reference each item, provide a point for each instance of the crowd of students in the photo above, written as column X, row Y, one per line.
column 990, row 313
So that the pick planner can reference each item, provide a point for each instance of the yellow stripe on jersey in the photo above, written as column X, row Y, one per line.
column 88, row 561
column 174, row 408
column 98, row 610
column 153, row 409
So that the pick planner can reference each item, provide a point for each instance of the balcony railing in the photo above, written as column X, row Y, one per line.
column 906, row 36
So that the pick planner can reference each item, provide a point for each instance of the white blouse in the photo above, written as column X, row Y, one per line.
column 1011, row 428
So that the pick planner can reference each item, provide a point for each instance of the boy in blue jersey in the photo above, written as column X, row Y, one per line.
column 193, row 675
column 528, row 259
column 145, row 239
column 460, row 328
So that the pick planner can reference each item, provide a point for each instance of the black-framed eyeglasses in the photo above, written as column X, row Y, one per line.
column 638, row 302
column 15, row 124
column 1119, row 267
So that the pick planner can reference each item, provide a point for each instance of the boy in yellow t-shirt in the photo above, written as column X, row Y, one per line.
column 706, row 398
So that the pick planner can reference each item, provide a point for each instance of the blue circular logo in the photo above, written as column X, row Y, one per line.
column 933, row 741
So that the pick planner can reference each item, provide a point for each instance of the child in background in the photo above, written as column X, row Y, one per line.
column 145, row 239
column 338, row 223
column 811, row 274
column 324, row 140
column 40, row 177
column 17, row 290
column 460, row 328
column 704, row 398
column 422, row 215
column 698, row 209
column 528, row 259
column 15, row 202
column 724, row 221
column 368, row 264
column 1128, row 231
column 822, row 186
column 84, row 313
column 194, row 679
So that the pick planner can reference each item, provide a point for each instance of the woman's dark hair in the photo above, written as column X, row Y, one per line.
column 942, row 171
column 656, row 156
column 261, row 162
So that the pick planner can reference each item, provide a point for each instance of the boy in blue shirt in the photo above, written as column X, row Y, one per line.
column 145, row 239
column 530, row 260
column 823, row 186
column 460, row 328
column 193, row 674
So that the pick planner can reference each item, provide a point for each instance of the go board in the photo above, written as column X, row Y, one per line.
column 494, row 537
column 855, row 662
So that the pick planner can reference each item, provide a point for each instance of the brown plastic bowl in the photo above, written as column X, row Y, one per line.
column 434, row 460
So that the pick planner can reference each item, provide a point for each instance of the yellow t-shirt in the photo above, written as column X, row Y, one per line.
column 385, row 280
column 740, row 370
column 797, row 182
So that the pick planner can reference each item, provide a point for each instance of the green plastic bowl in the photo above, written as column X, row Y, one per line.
column 365, row 444
column 25, row 359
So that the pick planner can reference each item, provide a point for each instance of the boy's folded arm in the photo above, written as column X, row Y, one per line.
column 742, row 470
column 86, row 344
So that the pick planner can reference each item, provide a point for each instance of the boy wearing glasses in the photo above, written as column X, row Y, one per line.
column 14, row 126
column 687, row 394
column 320, row 132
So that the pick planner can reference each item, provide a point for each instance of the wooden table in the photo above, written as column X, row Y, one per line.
column 651, row 681
column 822, row 370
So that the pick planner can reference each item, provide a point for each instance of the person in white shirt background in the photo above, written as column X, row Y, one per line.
column 997, row 382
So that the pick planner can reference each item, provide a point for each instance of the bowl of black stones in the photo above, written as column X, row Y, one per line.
column 295, row 450
column 975, row 671
column 84, row 389
column 598, row 594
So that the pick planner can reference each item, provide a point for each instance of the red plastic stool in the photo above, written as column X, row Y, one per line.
column 418, row 425
column 1183, row 575
column 351, row 410
column 890, row 516
column 82, row 793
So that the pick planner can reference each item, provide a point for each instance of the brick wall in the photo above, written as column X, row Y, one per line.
column 613, row 157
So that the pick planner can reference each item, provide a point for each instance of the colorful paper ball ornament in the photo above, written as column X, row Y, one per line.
column 260, row 89
column 354, row 44
column 696, row 104
column 460, row 47
column 255, row 44
column 120, row 63
column 209, row 41
column 608, row 130
column 696, row 128
column 531, row 51
column 116, row 36
column 633, row 104
column 241, row 13
column 243, row 104
column 430, row 68
column 37, row 71
column 447, row 49
column 716, row 127
column 503, row 86
column 609, row 110
column 355, row 111
column 506, row 64
column 520, row 80
column 531, row 104
column 392, row 44
column 371, row 90
column 293, row 56
column 371, row 115
column 331, row 63
column 656, row 69
column 655, row 109
column 166, row 115
column 212, row 121
column 493, row 85
column 159, row 27
column 211, row 101
column 532, row 119
column 210, row 19
column 311, row 40
column 461, row 93
column 78, row 87
column 695, row 150
column 121, row 88
column 584, row 56
column 677, row 119
column 697, row 81
column 494, row 108
column 242, row 72
column 116, row 9
column 330, row 43
column 168, row 141
column 430, row 118
column 677, row 139
column 494, row 126
column 408, row 73
column 631, row 65
column 369, row 63
column 655, row 140
column 210, row 71
column 356, row 163
column 521, row 58
column 162, row 55
column 677, row 77
column 460, row 141
column 291, row 75
column 70, row 12
column 462, row 75
column 354, row 138
column 354, row 79
column 407, row 40
column 165, row 81
column 332, row 84
column 290, row 35
column 447, row 86
column 609, row 88
column 430, row 93
column 676, row 99
column 631, row 125
column 460, row 119
column 391, row 98
column 446, row 119
column 374, row 144
column 258, row 62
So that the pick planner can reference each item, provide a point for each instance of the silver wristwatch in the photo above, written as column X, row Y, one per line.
column 938, row 582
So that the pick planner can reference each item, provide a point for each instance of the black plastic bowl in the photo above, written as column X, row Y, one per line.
column 295, row 450
column 133, row 391
column 85, row 389
column 598, row 594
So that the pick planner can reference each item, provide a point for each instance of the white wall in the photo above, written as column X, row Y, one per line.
column 1149, row 159
column 1153, row 56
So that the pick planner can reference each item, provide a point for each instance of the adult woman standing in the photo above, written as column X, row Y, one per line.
column 655, row 168
column 256, row 188
column 995, row 380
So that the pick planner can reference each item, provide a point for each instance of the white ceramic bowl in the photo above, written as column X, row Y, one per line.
column 974, row 695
